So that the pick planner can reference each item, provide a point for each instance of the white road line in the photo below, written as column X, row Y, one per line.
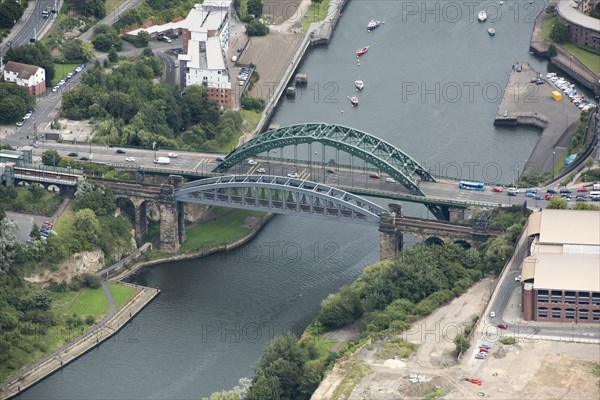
column 197, row 165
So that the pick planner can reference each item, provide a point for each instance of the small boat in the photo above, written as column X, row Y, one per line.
column 373, row 25
column 362, row 51
column 491, row 31
column 359, row 85
column 354, row 101
column 482, row 16
column 501, row 2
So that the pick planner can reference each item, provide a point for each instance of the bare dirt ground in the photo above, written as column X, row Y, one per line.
column 271, row 54
column 542, row 370
column 282, row 10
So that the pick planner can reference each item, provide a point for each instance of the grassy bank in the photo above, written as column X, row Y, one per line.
column 317, row 12
column 121, row 294
column 588, row 58
column 25, row 202
column 548, row 23
column 61, row 70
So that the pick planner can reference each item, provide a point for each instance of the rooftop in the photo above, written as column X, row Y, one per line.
column 23, row 71
column 570, row 227
column 568, row 10
column 566, row 272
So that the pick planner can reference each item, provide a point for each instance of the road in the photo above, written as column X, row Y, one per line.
column 31, row 25
column 112, row 18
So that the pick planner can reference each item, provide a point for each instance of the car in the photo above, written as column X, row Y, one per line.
column 582, row 189
column 474, row 381
column 293, row 175
column 172, row 155
column 390, row 180
column 261, row 171
column 492, row 314
column 530, row 194
column 120, row 151
column 55, row 88
column 566, row 197
column 84, row 158
column 35, row 145
column 241, row 83
column 540, row 82
column 514, row 190
column 581, row 198
column 78, row 69
column 165, row 39
column 483, row 350
column 374, row 175
column 73, row 154
column 548, row 196
column 538, row 197
column 330, row 171
column 219, row 159
column 178, row 50
column 240, row 50
column 505, row 113
column 242, row 78
column 502, row 326
column 28, row 115
column 486, row 345
column 519, row 67
column 511, row 193
column 21, row 122
column 518, row 278
column 497, row 189
column 480, row 356
column 551, row 191
column 129, row 159
column 69, row 75
column 565, row 191
column 531, row 190
column 61, row 82
column 253, row 162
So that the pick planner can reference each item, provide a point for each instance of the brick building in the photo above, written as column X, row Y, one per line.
column 583, row 29
column 31, row 77
column 561, row 275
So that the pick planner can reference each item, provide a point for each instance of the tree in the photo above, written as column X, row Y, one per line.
column 14, row 102
column 552, row 50
column 10, row 12
column 255, row 7
column 112, row 55
column 72, row 50
column 462, row 344
column 51, row 157
column 497, row 253
column 35, row 232
column 87, row 228
column 95, row 197
column 105, row 37
column 256, row 28
column 34, row 54
column 264, row 388
column 87, row 49
column 36, row 191
column 8, row 243
column 560, row 32
column 586, row 207
column 558, row 203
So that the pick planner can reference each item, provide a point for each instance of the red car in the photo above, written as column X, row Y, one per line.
column 474, row 381
column 483, row 350
column 548, row 196
column 374, row 175
column 502, row 326
column 497, row 189
column 582, row 189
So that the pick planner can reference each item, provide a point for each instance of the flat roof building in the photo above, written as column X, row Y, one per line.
column 583, row 29
column 561, row 275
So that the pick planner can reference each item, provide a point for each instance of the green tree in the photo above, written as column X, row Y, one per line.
column 14, row 102
column 10, row 12
column 34, row 54
column 255, row 8
column 586, row 207
column 560, row 32
column 8, row 243
column 94, row 196
column 51, row 157
column 558, row 203
column 497, row 253
column 552, row 50
column 87, row 49
column 264, row 388
column 87, row 229
column 73, row 51
column 462, row 344
column 256, row 28
column 112, row 55
column 36, row 191
column 106, row 37
column 35, row 232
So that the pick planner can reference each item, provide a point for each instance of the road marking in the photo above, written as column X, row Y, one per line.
column 200, row 162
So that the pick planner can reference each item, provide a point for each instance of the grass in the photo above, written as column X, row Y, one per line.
column 590, row 59
column 435, row 393
column 252, row 117
column 354, row 371
column 396, row 347
column 91, row 302
column 508, row 340
column 121, row 294
column 61, row 70
column 226, row 230
column 317, row 12
column 45, row 205
column 548, row 22
column 243, row 8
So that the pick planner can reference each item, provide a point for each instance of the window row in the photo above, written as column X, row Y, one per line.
column 556, row 313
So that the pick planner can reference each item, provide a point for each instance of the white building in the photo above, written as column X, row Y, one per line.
column 206, row 36
column 32, row 77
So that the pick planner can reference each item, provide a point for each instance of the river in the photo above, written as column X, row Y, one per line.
column 208, row 327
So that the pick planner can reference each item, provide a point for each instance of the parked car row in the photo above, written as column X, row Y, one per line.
column 569, row 90
column 25, row 117
column 244, row 75
column 69, row 76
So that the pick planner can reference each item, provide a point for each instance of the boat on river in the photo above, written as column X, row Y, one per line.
column 359, row 84
column 354, row 101
column 491, row 31
column 373, row 25
column 482, row 16
column 362, row 51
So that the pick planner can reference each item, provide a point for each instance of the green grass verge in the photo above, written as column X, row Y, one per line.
column 121, row 294
column 547, row 28
column 91, row 302
column 590, row 59
column 251, row 119
column 46, row 205
column 61, row 70
column 221, row 231
column 243, row 9
column 317, row 12
column 396, row 347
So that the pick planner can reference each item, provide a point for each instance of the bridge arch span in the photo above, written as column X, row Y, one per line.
column 281, row 195
column 434, row 240
column 382, row 155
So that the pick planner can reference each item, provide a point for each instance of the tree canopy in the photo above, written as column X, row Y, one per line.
column 15, row 101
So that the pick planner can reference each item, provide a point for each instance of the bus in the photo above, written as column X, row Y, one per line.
column 471, row 185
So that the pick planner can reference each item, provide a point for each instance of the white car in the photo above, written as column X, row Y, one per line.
column 27, row 116
column 518, row 278
column 130, row 159
column 61, row 82
column 390, row 180
column 513, row 190
column 261, row 171
column 293, row 175
column 172, row 155
column 252, row 162
column 55, row 88
column 78, row 69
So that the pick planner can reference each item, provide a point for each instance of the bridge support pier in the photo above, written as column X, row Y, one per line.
column 390, row 239
column 456, row 214
column 141, row 221
column 169, row 227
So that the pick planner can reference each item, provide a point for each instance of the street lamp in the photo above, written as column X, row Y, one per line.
column 553, row 153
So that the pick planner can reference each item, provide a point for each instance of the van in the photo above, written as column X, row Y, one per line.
column 565, row 191
column 595, row 195
column 596, row 186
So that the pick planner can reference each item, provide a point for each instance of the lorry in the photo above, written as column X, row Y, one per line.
column 162, row 160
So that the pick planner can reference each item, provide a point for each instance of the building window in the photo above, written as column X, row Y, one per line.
column 596, row 314
column 556, row 313
column 556, row 297
column 596, row 299
column 542, row 296
column 584, row 298
column 542, row 312
column 569, row 297
column 569, row 313
column 583, row 315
